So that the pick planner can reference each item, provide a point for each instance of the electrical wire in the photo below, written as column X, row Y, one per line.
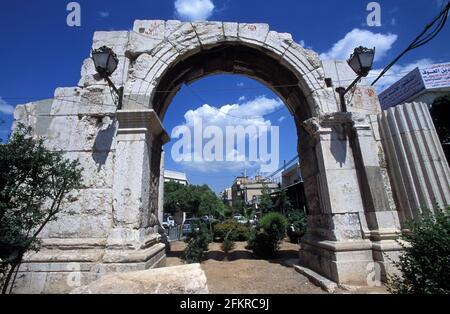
column 424, row 37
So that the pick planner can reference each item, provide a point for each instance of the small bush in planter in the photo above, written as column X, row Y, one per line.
column 297, row 225
column 237, row 231
column 197, row 243
column 425, row 263
column 227, row 244
column 264, row 240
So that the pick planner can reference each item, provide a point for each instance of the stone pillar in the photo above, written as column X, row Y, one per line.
column 133, row 243
column 334, row 245
column 418, row 169
column 383, row 225
column 161, row 190
column 352, row 222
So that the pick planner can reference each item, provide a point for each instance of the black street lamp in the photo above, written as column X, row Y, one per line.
column 105, row 62
column 361, row 62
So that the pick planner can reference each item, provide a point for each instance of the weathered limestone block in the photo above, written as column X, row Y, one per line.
column 209, row 32
column 305, row 61
column 98, row 168
column 230, row 30
column 86, row 213
column 92, row 100
column 314, row 80
column 145, row 37
column 186, row 279
column 182, row 36
column 129, row 205
column 81, row 133
column 153, row 29
column 127, row 238
column 363, row 100
column 254, row 33
column 342, row 185
column 323, row 102
column 278, row 42
column 347, row 226
column 116, row 40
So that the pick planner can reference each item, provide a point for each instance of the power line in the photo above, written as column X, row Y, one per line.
column 423, row 38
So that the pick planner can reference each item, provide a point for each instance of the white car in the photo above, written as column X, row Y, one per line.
column 240, row 219
column 169, row 222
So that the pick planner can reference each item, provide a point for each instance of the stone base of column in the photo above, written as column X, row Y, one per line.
column 359, row 263
column 341, row 262
column 60, row 270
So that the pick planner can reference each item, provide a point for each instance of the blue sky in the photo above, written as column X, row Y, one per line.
column 39, row 52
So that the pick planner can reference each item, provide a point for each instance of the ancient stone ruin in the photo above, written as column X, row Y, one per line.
column 365, row 171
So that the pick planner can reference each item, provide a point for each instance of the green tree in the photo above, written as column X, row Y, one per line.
column 440, row 113
column 197, row 243
column 266, row 203
column 192, row 199
column 33, row 184
column 283, row 203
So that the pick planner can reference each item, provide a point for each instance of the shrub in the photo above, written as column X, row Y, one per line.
column 275, row 224
column 297, row 225
column 264, row 240
column 238, row 232
column 262, row 244
column 197, row 243
column 425, row 264
column 227, row 244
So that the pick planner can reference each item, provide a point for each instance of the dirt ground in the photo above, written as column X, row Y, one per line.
column 243, row 273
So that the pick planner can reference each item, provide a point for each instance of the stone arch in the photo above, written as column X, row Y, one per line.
column 190, row 51
column 164, row 55
column 351, row 220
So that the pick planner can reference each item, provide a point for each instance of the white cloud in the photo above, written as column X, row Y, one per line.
column 358, row 37
column 396, row 73
column 281, row 119
column 103, row 14
column 250, row 113
column 6, row 108
column 194, row 10
column 242, row 98
column 240, row 84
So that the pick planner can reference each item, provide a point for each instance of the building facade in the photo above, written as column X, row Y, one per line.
column 175, row 176
column 249, row 191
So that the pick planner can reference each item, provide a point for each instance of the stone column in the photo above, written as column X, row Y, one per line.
column 383, row 225
column 161, row 190
column 334, row 245
column 134, row 239
column 417, row 164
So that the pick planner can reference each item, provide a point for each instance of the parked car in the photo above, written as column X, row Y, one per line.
column 187, row 225
column 168, row 222
column 240, row 219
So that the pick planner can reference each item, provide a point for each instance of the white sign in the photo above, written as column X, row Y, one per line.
column 436, row 76
column 405, row 88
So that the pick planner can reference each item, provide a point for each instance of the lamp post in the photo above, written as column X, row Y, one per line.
column 105, row 62
column 361, row 62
